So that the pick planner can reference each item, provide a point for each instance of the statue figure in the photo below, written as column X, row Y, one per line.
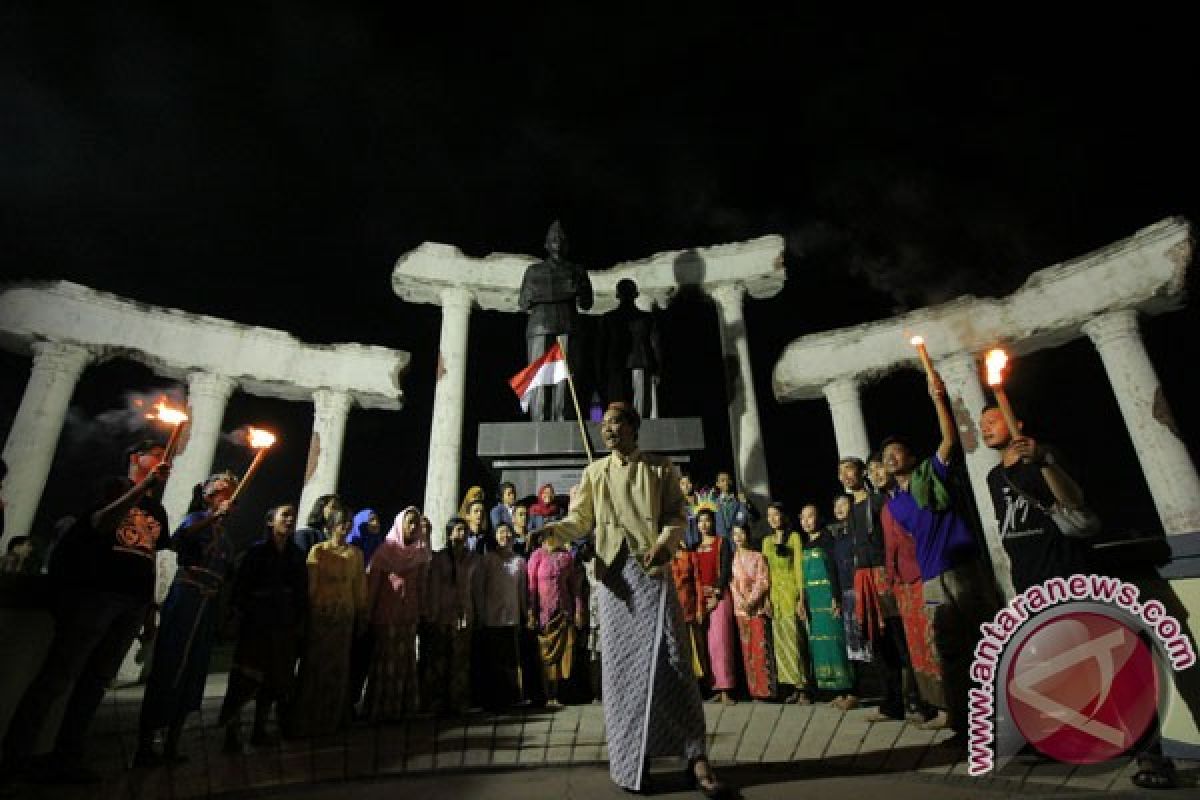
column 550, row 291
column 629, row 354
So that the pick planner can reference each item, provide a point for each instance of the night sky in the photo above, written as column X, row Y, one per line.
column 268, row 164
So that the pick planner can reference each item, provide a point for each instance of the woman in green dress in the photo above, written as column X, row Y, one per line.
column 822, row 598
column 784, row 553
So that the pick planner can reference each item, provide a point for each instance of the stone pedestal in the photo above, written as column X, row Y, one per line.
column 534, row 453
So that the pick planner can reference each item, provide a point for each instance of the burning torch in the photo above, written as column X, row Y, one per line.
column 261, row 441
column 171, row 416
column 996, row 360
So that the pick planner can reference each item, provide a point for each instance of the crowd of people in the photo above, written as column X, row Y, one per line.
column 341, row 620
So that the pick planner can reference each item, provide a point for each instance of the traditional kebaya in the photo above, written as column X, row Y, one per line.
column 396, row 592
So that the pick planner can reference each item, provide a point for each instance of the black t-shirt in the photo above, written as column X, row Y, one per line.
column 866, row 530
column 120, row 560
column 1034, row 544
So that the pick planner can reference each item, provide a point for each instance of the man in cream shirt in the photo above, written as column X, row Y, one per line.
column 652, row 705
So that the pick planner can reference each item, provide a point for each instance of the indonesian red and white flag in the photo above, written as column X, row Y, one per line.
column 548, row 370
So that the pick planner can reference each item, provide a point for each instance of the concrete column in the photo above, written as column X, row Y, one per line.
column 29, row 451
column 208, row 393
column 849, row 427
column 960, row 372
column 1166, row 464
column 445, row 434
column 748, row 446
column 330, row 408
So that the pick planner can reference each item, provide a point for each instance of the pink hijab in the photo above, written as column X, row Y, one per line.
column 401, row 557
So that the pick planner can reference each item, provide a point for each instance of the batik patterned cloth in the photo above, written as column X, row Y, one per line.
column 826, row 635
column 751, row 586
column 785, row 562
column 652, row 706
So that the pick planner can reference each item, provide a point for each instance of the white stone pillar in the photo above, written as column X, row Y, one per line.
column 748, row 446
column 330, row 408
column 208, row 393
column 29, row 451
column 1166, row 464
column 849, row 427
column 960, row 372
column 445, row 434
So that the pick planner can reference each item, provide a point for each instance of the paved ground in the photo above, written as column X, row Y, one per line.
column 767, row 750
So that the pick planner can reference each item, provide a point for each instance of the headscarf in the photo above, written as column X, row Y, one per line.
column 544, row 509
column 361, row 538
column 394, row 554
column 473, row 495
column 358, row 529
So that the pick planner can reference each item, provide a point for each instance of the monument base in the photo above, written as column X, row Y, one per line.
column 531, row 454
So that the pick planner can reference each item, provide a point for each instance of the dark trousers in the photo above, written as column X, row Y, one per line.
column 891, row 657
column 93, row 632
column 501, row 679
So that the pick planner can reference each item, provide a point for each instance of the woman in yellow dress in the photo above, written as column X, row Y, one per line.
column 784, row 552
column 337, row 597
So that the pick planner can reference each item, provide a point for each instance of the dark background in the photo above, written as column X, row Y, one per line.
column 268, row 163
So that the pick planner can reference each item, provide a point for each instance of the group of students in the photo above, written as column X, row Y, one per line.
column 898, row 578
column 339, row 619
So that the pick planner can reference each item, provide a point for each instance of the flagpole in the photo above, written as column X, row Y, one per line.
column 587, row 445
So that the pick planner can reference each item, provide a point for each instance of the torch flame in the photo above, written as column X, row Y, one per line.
column 917, row 341
column 172, row 416
column 260, row 438
column 995, row 361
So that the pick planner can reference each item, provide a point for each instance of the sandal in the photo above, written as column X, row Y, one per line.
column 709, row 786
column 1155, row 775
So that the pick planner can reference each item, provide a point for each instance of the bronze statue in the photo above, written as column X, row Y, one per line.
column 550, row 292
column 629, row 354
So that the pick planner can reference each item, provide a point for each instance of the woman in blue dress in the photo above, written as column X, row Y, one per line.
column 175, row 685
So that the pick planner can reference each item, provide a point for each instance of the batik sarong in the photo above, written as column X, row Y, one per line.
column 957, row 602
column 758, row 659
column 858, row 647
column 556, row 644
column 826, row 635
column 321, row 705
column 392, row 674
column 652, row 706
column 721, row 643
column 918, row 635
